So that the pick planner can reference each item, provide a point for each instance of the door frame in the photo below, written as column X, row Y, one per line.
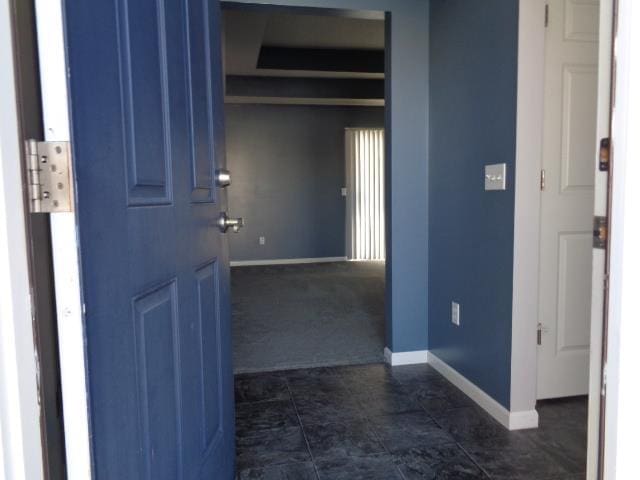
column 406, row 320
column 20, row 429
column 621, row 415
column 65, row 247
column 529, row 128
column 14, row 296
column 406, row 118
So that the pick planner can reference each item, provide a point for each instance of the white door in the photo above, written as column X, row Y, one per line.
column 569, row 149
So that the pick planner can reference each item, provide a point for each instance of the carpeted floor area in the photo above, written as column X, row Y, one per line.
column 310, row 315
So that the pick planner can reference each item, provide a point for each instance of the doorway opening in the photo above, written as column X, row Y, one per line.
column 305, row 118
column 575, row 118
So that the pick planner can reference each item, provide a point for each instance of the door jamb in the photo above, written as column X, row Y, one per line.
column 621, row 414
column 527, row 211
column 20, row 433
column 64, row 239
column 526, row 231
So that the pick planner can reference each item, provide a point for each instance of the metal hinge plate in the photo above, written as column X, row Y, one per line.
column 541, row 329
column 546, row 15
column 49, row 173
column 600, row 232
column 604, row 155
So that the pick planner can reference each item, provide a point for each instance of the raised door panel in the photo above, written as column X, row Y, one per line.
column 200, row 100
column 155, row 319
column 574, row 292
column 211, row 353
column 581, row 20
column 580, row 82
column 142, row 48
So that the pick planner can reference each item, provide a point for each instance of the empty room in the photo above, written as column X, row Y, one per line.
column 304, row 118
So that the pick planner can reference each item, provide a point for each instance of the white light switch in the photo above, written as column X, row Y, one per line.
column 495, row 176
column 343, row 191
column 262, row 240
column 455, row 313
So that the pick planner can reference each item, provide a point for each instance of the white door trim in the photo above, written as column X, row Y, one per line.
column 66, row 264
column 598, row 262
column 622, row 416
column 20, row 438
column 529, row 128
column 526, row 232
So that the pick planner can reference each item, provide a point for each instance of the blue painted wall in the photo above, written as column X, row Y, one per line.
column 472, row 90
column 406, row 124
column 290, row 160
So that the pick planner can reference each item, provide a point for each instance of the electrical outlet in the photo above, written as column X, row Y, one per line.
column 455, row 313
column 262, row 240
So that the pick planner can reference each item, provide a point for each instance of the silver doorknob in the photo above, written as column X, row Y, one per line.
column 223, row 178
column 224, row 222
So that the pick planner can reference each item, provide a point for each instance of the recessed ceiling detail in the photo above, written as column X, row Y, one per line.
column 265, row 43
column 321, row 59
column 276, row 56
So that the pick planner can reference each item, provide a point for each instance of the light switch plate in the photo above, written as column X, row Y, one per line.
column 455, row 313
column 495, row 176
column 343, row 191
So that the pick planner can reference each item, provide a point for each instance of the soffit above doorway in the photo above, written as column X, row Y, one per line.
column 284, row 44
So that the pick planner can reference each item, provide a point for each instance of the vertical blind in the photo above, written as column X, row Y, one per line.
column 365, row 193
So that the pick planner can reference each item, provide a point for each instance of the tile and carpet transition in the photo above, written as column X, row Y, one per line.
column 367, row 421
column 309, row 315
column 375, row 422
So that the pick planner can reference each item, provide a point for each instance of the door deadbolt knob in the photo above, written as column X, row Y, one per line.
column 224, row 222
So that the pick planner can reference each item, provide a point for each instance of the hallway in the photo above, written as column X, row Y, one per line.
column 374, row 422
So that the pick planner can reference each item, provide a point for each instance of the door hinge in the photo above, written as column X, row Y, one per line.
column 600, row 232
column 49, row 175
column 546, row 15
column 543, row 179
column 603, row 390
column 604, row 155
column 541, row 329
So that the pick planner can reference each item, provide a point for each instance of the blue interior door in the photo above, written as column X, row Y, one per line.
column 145, row 94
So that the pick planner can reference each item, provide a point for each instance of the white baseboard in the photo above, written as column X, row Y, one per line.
column 404, row 358
column 285, row 261
column 510, row 420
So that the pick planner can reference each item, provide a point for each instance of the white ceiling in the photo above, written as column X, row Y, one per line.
column 247, row 30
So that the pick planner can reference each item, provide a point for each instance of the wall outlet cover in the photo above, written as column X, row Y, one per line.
column 455, row 313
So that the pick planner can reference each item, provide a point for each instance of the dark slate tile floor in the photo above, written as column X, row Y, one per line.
column 374, row 422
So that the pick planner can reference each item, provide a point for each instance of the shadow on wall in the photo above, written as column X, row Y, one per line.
column 288, row 168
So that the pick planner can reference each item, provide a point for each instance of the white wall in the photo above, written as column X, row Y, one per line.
column 19, row 410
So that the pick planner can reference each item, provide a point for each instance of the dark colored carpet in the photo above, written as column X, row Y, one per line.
column 300, row 316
